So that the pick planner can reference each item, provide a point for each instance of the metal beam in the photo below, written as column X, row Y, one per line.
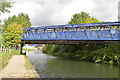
column 67, row 41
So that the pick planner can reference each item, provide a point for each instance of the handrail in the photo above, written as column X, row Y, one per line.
column 117, row 23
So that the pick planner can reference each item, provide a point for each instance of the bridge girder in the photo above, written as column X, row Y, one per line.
column 67, row 41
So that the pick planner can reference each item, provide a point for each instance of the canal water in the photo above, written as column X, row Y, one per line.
column 49, row 66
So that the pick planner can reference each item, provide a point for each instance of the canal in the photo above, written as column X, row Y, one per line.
column 49, row 66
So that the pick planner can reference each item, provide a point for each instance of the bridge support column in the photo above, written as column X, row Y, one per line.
column 21, row 46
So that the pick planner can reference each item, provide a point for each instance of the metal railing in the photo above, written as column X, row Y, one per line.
column 5, row 50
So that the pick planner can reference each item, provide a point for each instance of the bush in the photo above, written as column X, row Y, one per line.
column 99, row 53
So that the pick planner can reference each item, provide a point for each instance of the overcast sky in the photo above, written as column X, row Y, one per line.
column 56, row 12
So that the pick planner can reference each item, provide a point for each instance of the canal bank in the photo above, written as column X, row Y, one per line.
column 30, row 69
column 49, row 66
column 16, row 68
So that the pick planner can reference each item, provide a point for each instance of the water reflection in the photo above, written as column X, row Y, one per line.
column 53, row 67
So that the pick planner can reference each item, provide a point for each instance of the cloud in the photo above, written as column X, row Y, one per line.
column 77, row 7
column 60, row 11
column 54, row 12
column 106, row 10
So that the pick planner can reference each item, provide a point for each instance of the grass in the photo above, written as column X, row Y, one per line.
column 5, row 57
column 28, row 49
column 28, row 64
column 32, row 74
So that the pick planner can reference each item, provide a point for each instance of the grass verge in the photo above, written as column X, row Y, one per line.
column 5, row 57
column 28, row 49
column 30, row 69
column 28, row 64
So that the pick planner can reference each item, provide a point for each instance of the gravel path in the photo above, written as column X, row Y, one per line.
column 15, row 68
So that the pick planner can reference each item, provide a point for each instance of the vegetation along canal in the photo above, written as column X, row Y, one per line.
column 49, row 66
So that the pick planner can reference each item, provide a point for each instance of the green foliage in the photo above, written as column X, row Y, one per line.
column 22, row 19
column 82, row 17
column 13, row 28
column 28, row 49
column 99, row 53
column 5, row 5
column 4, row 58
column 12, row 35
column 109, row 54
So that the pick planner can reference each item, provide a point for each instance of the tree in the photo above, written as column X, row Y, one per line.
column 82, row 17
column 13, row 28
column 5, row 5
column 22, row 19
column 12, row 35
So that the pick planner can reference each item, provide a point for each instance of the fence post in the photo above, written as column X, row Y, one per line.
column 21, row 48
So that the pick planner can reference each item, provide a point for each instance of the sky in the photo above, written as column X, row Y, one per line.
column 57, row 12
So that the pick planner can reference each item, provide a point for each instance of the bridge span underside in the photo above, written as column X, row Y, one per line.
column 67, row 41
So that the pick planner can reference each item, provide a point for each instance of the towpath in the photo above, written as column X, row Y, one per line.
column 15, row 68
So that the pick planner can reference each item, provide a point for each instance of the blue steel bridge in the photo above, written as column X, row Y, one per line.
column 73, row 33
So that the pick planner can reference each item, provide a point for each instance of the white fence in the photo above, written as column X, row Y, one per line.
column 5, row 50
